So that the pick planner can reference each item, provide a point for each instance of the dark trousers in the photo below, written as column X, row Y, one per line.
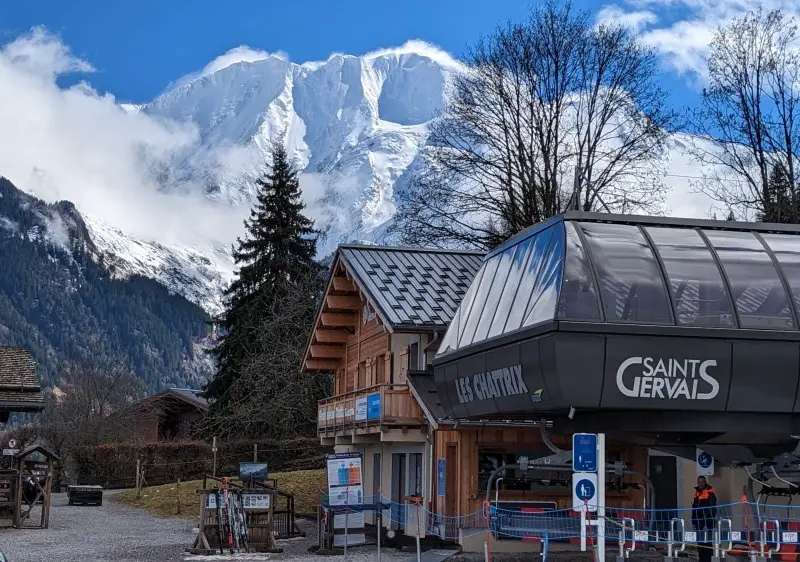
column 705, row 547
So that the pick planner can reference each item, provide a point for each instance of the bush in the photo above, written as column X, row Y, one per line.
column 114, row 465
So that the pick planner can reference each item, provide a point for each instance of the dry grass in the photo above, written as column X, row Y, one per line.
column 163, row 500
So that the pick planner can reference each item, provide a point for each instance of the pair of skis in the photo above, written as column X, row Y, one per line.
column 231, row 519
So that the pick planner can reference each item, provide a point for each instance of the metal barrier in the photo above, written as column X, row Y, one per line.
column 626, row 552
column 743, row 527
column 671, row 552
column 765, row 535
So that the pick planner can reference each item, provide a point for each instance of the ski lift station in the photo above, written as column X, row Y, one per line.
column 461, row 378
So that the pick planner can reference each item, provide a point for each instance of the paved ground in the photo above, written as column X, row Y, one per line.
column 113, row 532
column 90, row 533
column 118, row 533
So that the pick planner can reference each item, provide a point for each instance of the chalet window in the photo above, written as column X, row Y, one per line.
column 362, row 375
column 413, row 357
column 381, row 370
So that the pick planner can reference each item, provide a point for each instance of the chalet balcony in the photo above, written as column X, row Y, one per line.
column 368, row 410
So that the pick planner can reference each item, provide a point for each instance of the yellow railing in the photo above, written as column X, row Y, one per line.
column 389, row 404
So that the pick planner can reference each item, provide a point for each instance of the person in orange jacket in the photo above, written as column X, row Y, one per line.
column 704, row 513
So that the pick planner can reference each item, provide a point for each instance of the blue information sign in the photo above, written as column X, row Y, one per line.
column 704, row 459
column 374, row 407
column 584, row 452
column 440, row 477
column 584, row 490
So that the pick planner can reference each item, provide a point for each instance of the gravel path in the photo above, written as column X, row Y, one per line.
column 114, row 532
column 110, row 532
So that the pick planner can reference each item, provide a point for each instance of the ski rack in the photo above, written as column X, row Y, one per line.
column 231, row 519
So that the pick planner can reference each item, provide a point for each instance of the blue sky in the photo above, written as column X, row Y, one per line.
column 138, row 49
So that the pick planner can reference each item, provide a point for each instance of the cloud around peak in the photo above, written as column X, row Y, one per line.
column 237, row 55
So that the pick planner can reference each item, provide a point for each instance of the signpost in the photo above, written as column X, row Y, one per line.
column 589, row 485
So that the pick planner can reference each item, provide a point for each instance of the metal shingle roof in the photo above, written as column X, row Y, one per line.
column 417, row 287
column 192, row 395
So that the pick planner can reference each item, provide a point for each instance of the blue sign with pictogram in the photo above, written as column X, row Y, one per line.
column 584, row 452
column 705, row 463
column 584, row 491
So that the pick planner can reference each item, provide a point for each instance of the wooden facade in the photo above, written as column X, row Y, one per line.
column 352, row 341
column 464, row 493
column 371, row 359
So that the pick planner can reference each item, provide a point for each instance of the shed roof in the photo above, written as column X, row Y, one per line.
column 19, row 386
column 423, row 387
column 419, row 287
column 182, row 395
column 17, row 368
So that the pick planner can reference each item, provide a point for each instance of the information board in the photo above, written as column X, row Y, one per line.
column 584, row 452
column 345, row 479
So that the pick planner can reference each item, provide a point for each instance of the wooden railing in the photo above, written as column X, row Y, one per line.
column 383, row 404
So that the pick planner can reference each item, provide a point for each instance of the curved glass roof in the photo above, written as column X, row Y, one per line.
column 634, row 270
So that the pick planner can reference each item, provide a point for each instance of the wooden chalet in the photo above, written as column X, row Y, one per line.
column 166, row 416
column 385, row 312
column 19, row 386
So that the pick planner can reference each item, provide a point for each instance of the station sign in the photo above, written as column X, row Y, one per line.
column 584, row 452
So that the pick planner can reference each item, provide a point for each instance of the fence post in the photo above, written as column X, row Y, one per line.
column 255, row 452
column 419, row 550
column 379, row 521
column 138, row 478
column 178, row 494
column 214, row 451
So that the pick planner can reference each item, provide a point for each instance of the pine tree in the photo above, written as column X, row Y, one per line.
column 778, row 205
column 275, row 256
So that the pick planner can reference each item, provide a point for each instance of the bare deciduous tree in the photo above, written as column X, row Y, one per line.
column 546, row 115
column 750, row 117
column 272, row 396
column 81, row 411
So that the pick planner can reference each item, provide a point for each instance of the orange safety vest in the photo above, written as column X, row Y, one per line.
column 703, row 496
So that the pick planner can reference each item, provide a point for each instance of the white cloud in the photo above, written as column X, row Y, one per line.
column 636, row 20
column 79, row 145
column 237, row 55
column 680, row 30
column 416, row 46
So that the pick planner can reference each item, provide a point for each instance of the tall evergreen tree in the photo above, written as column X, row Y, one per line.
column 275, row 256
column 778, row 200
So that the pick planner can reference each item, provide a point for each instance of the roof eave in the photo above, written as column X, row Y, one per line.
column 428, row 414
column 417, row 328
column 371, row 299
column 336, row 258
column 21, row 406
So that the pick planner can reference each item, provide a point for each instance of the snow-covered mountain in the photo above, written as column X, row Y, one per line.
column 353, row 124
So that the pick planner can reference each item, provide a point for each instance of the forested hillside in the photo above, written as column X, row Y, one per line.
column 59, row 300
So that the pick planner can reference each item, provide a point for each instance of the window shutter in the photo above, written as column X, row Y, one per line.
column 403, row 374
